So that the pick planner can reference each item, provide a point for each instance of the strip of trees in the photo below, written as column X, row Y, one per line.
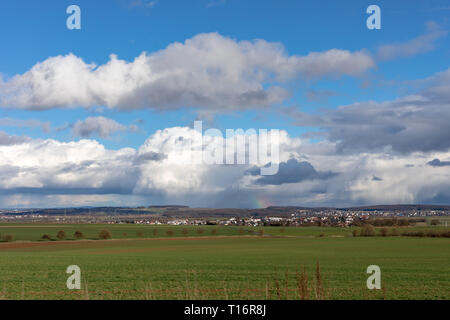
column 369, row 230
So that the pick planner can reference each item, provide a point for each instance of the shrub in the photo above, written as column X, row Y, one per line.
column 78, row 235
column 384, row 232
column 7, row 238
column 413, row 234
column 140, row 234
column 282, row 230
column 420, row 234
column 46, row 237
column 367, row 230
column 104, row 234
column 395, row 233
column 355, row 233
column 184, row 231
column 434, row 222
column 445, row 234
column 213, row 231
column 432, row 234
column 155, row 232
column 200, row 231
column 169, row 232
column 61, row 235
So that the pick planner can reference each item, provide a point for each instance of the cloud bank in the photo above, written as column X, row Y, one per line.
column 160, row 171
column 208, row 71
column 417, row 122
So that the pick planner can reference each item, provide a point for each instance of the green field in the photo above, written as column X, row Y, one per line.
column 34, row 232
column 228, row 263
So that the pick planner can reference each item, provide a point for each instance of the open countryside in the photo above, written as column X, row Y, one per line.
column 128, row 261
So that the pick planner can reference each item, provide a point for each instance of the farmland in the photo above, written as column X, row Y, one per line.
column 181, row 262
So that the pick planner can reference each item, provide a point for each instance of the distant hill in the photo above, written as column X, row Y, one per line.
column 401, row 207
column 186, row 211
column 393, row 207
column 167, row 206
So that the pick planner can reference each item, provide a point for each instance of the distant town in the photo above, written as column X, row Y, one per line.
column 270, row 216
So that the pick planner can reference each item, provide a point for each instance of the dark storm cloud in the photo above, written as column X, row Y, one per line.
column 149, row 156
column 408, row 124
column 290, row 172
column 438, row 163
column 442, row 197
column 65, row 191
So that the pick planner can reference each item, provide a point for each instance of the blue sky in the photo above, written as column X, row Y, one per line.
column 34, row 31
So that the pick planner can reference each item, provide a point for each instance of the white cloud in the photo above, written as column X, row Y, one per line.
column 208, row 71
column 100, row 126
column 160, row 171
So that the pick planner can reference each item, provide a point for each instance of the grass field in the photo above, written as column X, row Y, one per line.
column 230, row 263
column 34, row 232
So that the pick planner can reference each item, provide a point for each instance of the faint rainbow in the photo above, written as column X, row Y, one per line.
column 261, row 203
